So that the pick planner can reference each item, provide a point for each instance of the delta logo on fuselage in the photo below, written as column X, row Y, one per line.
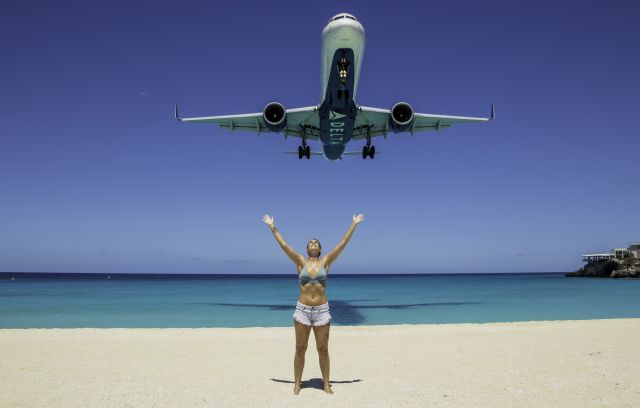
column 336, row 128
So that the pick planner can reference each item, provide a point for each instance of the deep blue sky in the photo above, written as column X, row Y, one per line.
column 96, row 176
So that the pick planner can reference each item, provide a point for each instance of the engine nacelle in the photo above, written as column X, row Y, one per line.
column 401, row 116
column 275, row 116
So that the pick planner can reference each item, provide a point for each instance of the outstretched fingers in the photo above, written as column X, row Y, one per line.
column 267, row 219
column 357, row 219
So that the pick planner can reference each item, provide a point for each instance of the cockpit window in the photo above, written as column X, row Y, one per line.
column 342, row 16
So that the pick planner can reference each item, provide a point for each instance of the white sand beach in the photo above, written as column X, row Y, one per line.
column 590, row 363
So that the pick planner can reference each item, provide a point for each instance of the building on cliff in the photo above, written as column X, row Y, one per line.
column 589, row 258
column 616, row 254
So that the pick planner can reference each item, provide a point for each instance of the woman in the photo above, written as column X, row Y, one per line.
column 312, row 309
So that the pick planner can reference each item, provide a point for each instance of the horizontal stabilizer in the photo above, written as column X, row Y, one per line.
column 312, row 153
column 356, row 153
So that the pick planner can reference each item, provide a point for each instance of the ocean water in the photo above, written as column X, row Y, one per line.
column 87, row 300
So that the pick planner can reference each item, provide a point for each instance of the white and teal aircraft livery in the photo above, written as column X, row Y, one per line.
column 338, row 119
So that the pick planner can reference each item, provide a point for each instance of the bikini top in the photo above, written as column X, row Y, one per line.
column 306, row 279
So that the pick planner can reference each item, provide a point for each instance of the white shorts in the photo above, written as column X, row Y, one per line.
column 312, row 315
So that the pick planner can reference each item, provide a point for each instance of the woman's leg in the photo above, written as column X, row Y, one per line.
column 302, row 339
column 321, row 333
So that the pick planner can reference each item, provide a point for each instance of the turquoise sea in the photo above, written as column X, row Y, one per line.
column 38, row 300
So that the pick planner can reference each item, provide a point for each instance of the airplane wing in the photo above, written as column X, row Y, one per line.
column 376, row 121
column 299, row 120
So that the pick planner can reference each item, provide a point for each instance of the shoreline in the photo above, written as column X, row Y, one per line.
column 367, row 326
column 568, row 363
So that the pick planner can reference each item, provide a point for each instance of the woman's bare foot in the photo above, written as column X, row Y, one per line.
column 327, row 388
column 296, row 389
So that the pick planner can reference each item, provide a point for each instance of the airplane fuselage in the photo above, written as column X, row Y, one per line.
column 342, row 50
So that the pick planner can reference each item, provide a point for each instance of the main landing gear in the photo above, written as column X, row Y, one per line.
column 304, row 151
column 368, row 150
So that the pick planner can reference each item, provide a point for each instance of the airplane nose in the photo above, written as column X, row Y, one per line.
column 345, row 33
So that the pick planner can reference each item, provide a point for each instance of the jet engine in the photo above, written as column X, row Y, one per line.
column 275, row 116
column 401, row 116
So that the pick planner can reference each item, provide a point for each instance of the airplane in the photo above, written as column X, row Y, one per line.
column 338, row 119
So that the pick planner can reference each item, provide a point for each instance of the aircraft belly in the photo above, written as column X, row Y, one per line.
column 338, row 109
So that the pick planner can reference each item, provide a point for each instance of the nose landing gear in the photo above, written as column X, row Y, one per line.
column 343, row 69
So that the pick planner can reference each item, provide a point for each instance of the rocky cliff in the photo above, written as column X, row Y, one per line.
column 605, row 269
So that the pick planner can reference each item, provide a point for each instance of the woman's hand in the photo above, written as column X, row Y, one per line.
column 291, row 253
column 335, row 252
column 268, row 220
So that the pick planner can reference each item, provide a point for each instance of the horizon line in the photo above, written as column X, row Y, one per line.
column 274, row 274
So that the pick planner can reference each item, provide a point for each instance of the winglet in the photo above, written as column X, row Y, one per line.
column 176, row 114
column 493, row 113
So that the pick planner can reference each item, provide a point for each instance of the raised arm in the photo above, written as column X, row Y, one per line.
column 331, row 256
column 291, row 253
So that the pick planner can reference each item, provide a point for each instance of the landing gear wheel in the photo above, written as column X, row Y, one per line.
column 365, row 152
column 300, row 152
column 372, row 151
column 307, row 152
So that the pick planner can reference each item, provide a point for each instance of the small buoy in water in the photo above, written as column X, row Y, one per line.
column 13, row 278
